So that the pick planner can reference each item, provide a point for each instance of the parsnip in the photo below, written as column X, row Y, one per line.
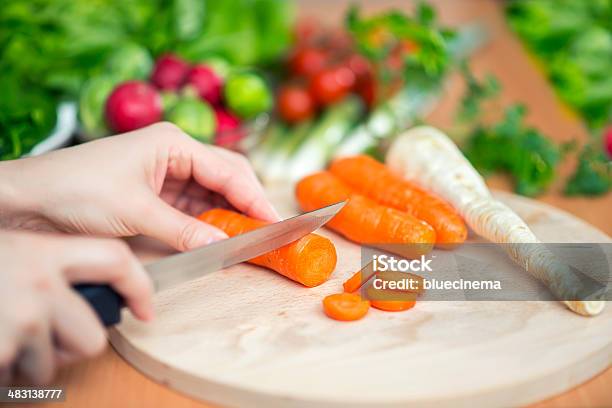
column 428, row 157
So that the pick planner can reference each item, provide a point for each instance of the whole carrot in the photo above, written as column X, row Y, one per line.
column 309, row 260
column 374, row 180
column 363, row 220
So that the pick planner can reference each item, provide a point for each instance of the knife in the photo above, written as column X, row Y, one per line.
column 186, row 266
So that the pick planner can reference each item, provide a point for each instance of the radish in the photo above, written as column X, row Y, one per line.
column 608, row 141
column 228, row 128
column 206, row 83
column 132, row 105
column 169, row 72
column 428, row 157
column 225, row 120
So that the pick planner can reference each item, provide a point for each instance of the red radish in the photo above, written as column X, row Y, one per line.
column 332, row 84
column 169, row 72
column 295, row 104
column 608, row 141
column 132, row 105
column 225, row 120
column 228, row 129
column 307, row 61
column 206, row 83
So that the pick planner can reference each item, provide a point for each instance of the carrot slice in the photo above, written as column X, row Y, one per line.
column 391, row 300
column 309, row 260
column 363, row 220
column 345, row 306
column 358, row 279
column 374, row 180
column 393, row 305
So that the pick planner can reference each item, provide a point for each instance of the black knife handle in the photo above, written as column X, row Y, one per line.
column 104, row 300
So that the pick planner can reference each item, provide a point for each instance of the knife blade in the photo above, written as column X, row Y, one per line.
column 222, row 254
column 196, row 263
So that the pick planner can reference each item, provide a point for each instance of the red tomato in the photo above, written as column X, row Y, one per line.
column 366, row 88
column 332, row 84
column 307, row 61
column 361, row 67
column 307, row 30
column 295, row 104
column 339, row 40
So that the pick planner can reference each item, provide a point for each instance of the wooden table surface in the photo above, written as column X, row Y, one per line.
column 109, row 381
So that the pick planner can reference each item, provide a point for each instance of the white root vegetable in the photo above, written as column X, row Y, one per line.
column 428, row 157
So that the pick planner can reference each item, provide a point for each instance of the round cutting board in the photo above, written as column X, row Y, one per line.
column 246, row 336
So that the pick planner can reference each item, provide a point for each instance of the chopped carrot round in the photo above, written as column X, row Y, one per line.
column 345, row 306
column 393, row 305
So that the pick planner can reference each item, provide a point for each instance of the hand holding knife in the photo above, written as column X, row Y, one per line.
column 190, row 265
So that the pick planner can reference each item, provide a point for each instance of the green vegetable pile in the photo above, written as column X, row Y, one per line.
column 573, row 40
column 48, row 49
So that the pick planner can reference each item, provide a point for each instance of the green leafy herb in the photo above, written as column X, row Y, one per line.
column 511, row 146
column 593, row 175
column 573, row 40
column 27, row 116
column 476, row 93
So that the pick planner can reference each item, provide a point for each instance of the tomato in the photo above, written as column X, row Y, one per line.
column 366, row 88
column 308, row 61
column 295, row 104
column 332, row 84
column 361, row 67
column 339, row 40
column 307, row 30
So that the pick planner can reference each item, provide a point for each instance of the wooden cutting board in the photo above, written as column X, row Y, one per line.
column 246, row 336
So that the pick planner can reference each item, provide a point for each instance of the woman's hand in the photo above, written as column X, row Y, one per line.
column 43, row 322
column 151, row 181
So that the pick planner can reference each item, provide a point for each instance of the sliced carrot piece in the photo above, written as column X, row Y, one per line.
column 358, row 279
column 345, row 306
column 353, row 283
column 393, row 305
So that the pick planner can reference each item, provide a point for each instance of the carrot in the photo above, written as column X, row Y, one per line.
column 309, row 260
column 374, row 180
column 393, row 305
column 358, row 279
column 345, row 306
column 429, row 157
column 363, row 220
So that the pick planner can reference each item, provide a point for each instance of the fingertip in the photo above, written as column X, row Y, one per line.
column 264, row 211
column 144, row 313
